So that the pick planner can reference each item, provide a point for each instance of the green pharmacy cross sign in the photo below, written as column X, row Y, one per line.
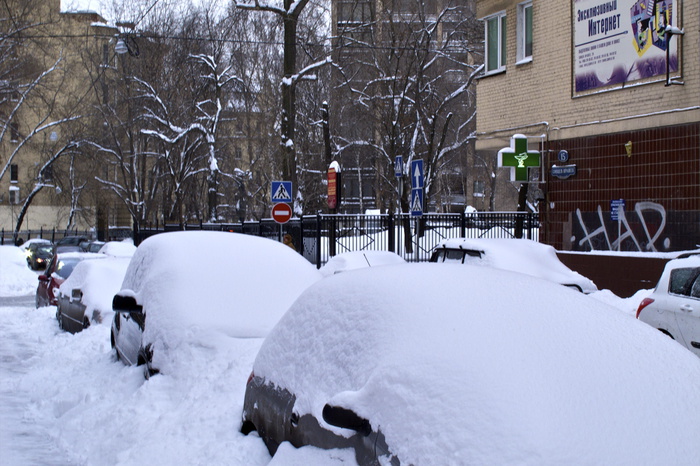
column 518, row 158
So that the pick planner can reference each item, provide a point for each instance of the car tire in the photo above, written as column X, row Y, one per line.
column 248, row 427
column 59, row 318
column 86, row 323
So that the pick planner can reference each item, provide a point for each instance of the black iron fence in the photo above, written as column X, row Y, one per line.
column 53, row 235
column 319, row 237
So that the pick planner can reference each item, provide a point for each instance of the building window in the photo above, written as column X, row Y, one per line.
column 238, row 153
column 495, row 43
column 14, row 132
column 525, row 32
column 48, row 173
column 14, row 177
column 14, row 195
column 478, row 188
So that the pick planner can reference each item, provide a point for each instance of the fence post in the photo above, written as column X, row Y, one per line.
column 392, row 233
column 462, row 225
column 318, row 241
column 2, row 238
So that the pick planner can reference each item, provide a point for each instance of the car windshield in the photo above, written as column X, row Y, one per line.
column 45, row 249
column 65, row 267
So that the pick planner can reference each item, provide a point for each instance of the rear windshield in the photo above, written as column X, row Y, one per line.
column 65, row 267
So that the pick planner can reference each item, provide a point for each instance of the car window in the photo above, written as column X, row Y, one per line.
column 65, row 267
column 695, row 290
column 454, row 255
column 681, row 280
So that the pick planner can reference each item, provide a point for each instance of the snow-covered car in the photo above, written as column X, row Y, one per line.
column 674, row 305
column 188, row 289
column 517, row 255
column 86, row 296
column 57, row 271
column 359, row 259
column 427, row 364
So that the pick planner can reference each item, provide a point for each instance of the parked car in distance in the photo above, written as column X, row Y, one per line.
column 518, row 255
column 70, row 243
column 194, row 288
column 428, row 364
column 359, row 259
column 674, row 305
column 86, row 295
column 57, row 271
column 93, row 246
column 39, row 254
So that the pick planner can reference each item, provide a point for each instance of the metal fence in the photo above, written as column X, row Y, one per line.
column 319, row 237
column 7, row 237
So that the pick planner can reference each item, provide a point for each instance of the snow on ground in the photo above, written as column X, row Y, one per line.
column 16, row 279
column 65, row 399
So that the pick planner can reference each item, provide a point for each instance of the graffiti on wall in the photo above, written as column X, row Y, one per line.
column 648, row 217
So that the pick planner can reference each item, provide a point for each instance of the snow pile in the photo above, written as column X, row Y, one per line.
column 15, row 277
column 358, row 260
column 521, row 370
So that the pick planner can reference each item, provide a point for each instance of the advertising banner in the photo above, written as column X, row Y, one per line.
column 621, row 41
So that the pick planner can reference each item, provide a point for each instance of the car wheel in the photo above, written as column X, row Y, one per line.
column 86, row 322
column 666, row 333
column 247, row 427
column 59, row 318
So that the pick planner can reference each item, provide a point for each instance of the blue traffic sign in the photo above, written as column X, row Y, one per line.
column 417, row 202
column 417, row 173
column 398, row 166
column 281, row 192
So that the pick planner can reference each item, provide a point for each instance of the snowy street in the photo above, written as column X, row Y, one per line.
column 65, row 400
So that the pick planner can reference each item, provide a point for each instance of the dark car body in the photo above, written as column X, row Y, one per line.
column 39, row 254
column 434, row 364
column 57, row 271
column 70, row 243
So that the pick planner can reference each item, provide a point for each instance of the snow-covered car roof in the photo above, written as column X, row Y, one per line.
column 118, row 248
column 520, row 255
column 475, row 365
column 195, row 283
column 358, row 260
column 99, row 281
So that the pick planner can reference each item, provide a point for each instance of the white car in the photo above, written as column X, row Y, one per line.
column 430, row 364
column 674, row 305
column 191, row 289
column 517, row 255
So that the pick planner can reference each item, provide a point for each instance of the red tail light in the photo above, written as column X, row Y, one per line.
column 645, row 302
column 250, row 377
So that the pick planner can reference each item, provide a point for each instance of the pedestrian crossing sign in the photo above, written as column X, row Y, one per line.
column 281, row 191
column 417, row 201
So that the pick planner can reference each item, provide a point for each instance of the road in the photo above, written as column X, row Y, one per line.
column 22, row 442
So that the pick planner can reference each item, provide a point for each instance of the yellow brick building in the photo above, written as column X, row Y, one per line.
column 55, row 50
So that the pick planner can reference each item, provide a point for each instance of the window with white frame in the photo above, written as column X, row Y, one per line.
column 495, row 35
column 524, row 32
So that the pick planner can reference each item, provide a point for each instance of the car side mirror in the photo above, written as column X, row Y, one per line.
column 346, row 419
column 125, row 304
